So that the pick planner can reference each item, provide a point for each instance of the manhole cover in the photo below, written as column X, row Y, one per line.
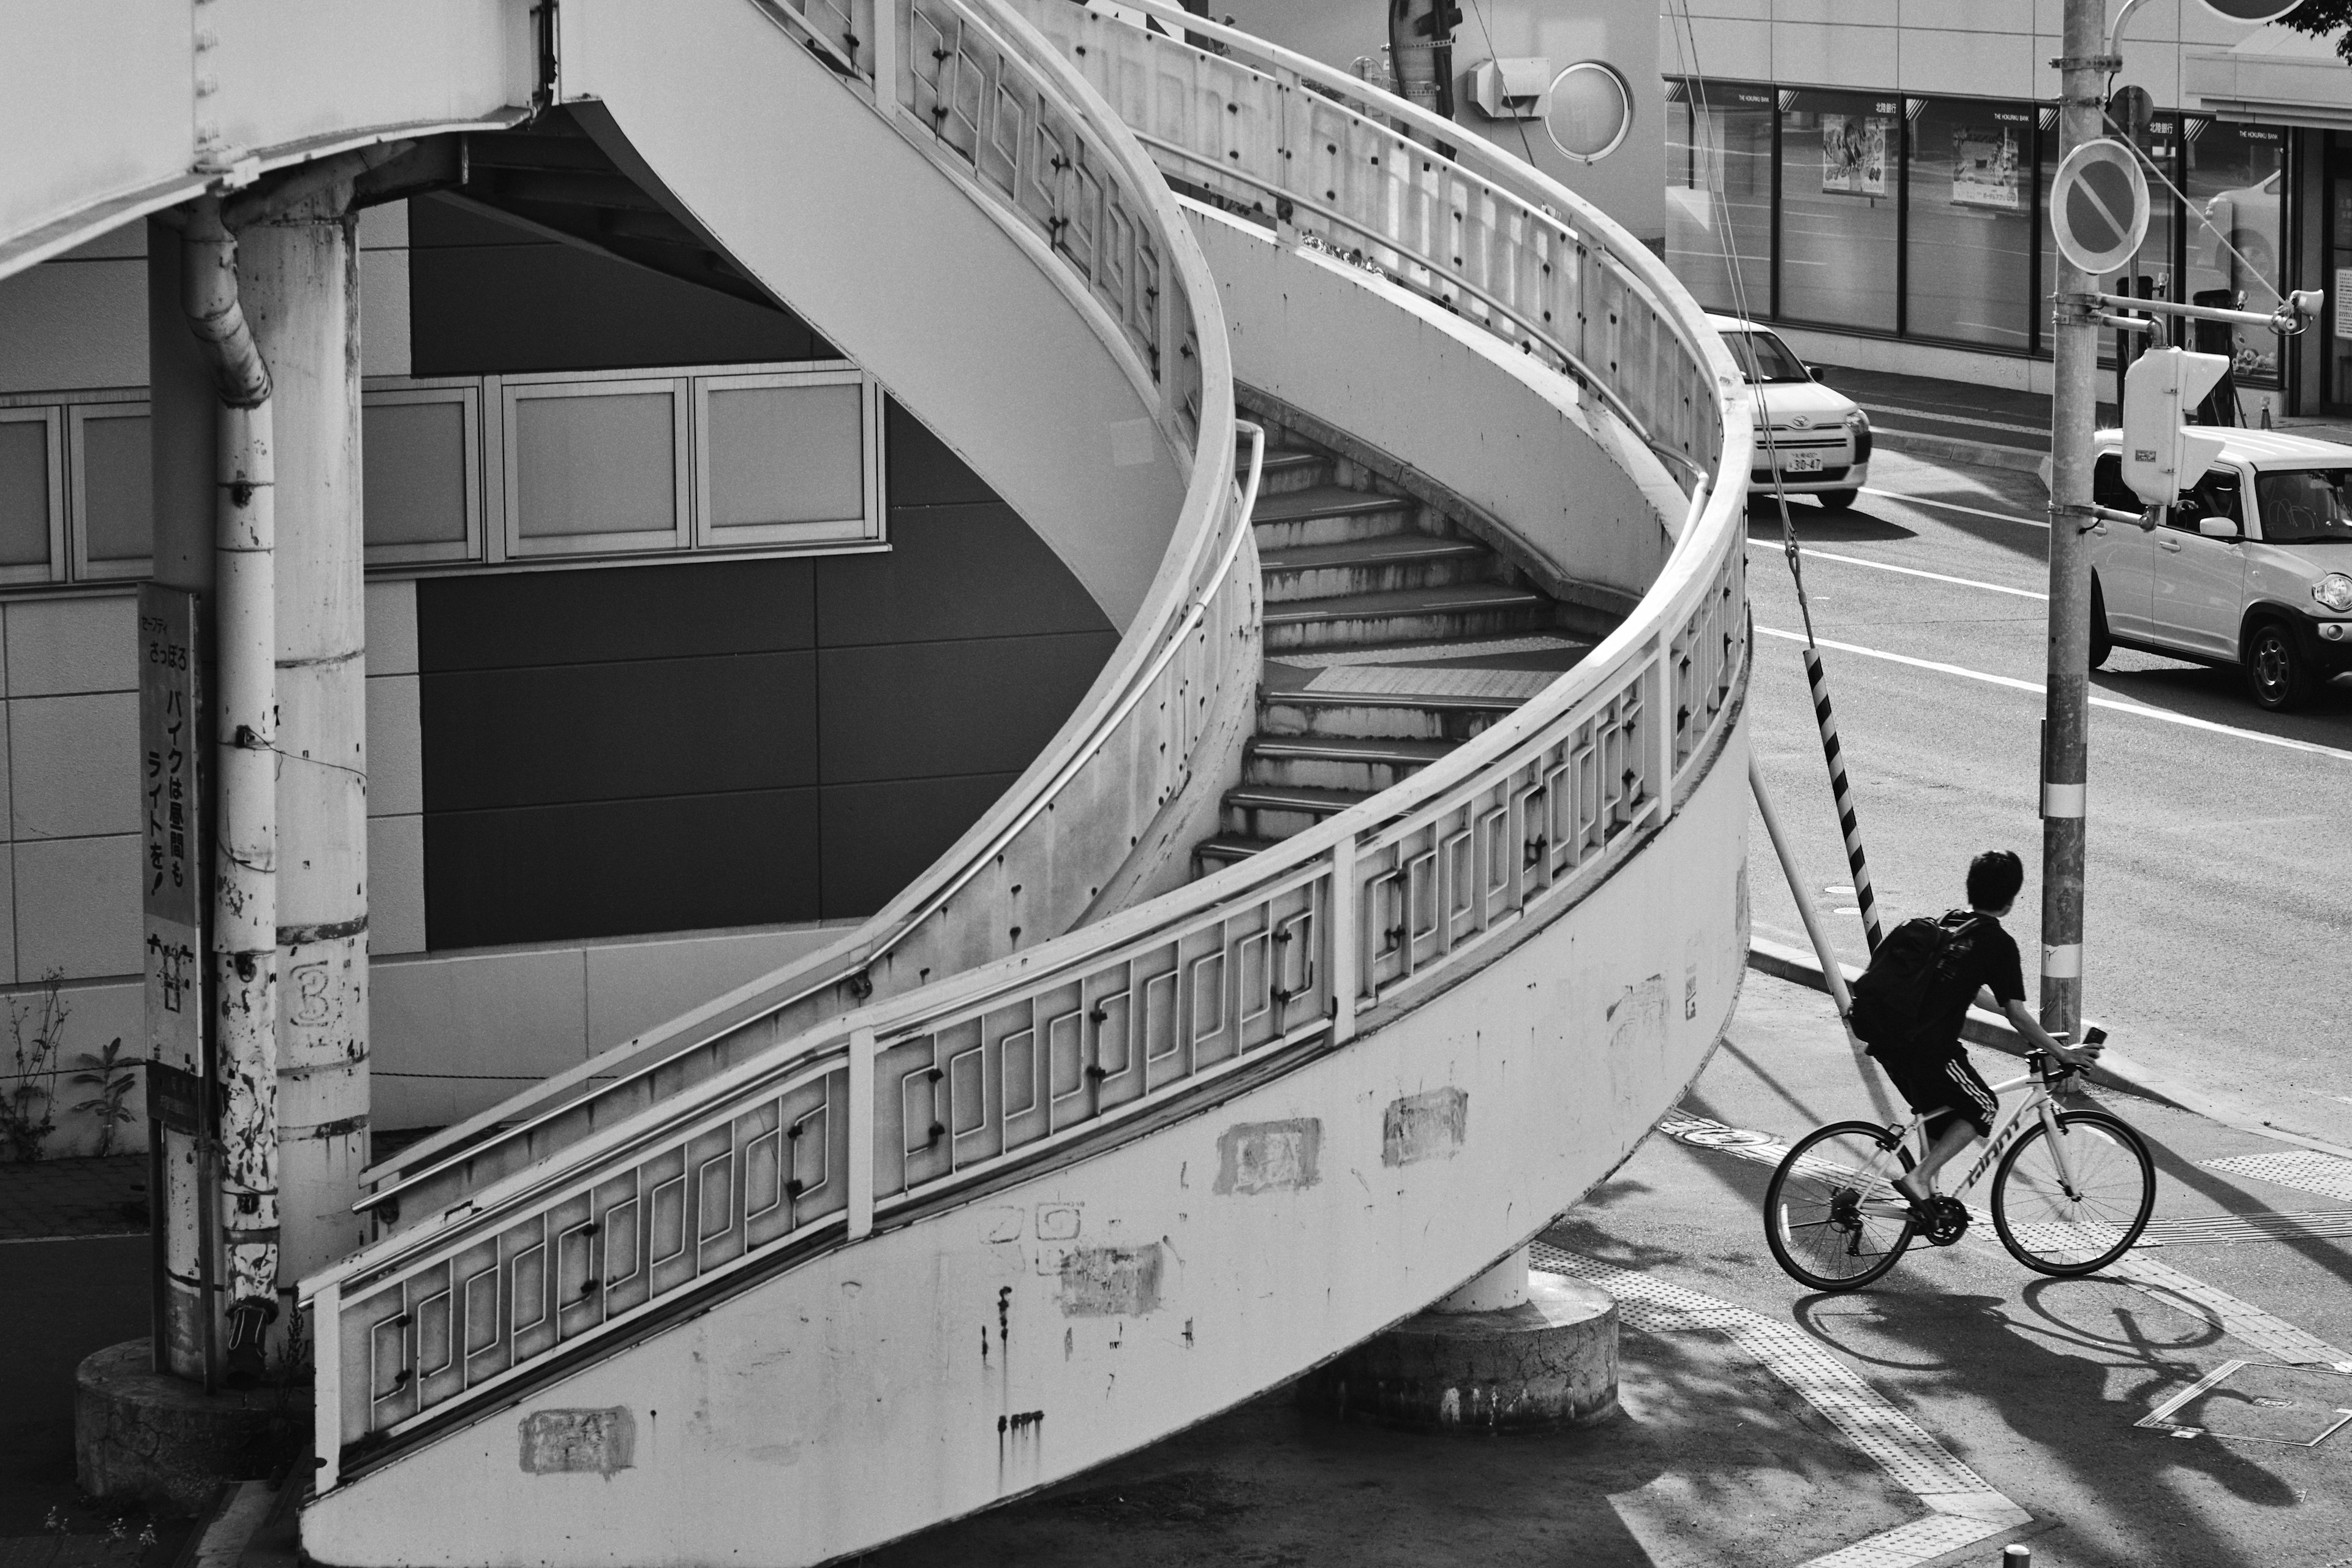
column 2259, row 1401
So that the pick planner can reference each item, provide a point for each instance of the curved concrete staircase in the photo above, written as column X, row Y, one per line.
column 1377, row 898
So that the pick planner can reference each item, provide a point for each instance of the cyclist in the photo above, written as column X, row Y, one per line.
column 1932, row 1069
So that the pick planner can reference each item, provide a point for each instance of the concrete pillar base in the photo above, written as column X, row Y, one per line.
column 140, row 1435
column 1547, row 1363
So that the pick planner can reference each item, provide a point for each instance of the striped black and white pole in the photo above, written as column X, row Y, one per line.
column 1842, row 793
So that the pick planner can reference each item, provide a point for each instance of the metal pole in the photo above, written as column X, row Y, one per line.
column 2083, row 69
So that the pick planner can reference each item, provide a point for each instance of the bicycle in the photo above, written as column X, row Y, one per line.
column 2071, row 1193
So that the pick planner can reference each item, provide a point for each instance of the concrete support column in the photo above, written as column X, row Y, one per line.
column 299, row 272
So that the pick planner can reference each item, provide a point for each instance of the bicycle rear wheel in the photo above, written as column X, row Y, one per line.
column 2053, row 1227
column 1827, row 1224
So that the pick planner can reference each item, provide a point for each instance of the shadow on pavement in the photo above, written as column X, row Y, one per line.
column 2219, row 696
column 1816, row 526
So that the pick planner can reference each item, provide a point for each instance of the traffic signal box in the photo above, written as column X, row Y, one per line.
column 2162, row 454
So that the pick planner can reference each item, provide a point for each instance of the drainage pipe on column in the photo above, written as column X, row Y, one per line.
column 245, row 872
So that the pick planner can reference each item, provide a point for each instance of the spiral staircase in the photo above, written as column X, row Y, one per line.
column 1387, row 884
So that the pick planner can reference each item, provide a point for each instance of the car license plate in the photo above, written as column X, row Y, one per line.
column 1802, row 463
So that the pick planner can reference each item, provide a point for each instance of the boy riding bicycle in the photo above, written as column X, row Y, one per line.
column 1916, row 1037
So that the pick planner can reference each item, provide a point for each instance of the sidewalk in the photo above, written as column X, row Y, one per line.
column 105, row 1196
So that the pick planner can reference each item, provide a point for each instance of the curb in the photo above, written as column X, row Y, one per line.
column 1984, row 454
column 2115, row 1070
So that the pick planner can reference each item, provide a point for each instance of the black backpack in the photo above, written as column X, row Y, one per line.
column 1906, row 998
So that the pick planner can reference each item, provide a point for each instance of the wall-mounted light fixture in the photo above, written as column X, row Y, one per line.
column 1588, row 110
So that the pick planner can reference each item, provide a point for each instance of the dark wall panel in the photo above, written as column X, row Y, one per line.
column 640, row 748
column 522, row 620
column 488, row 296
column 611, row 868
column 961, row 571
column 928, row 710
column 879, row 836
column 920, row 468
column 620, row 732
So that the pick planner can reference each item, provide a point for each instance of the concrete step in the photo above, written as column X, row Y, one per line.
column 1383, row 565
column 1216, row 854
column 1275, row 812
column 1287, row 471
column 1341, row 763
column 1410, row 616
column 1292, row 712
column 1328, row 514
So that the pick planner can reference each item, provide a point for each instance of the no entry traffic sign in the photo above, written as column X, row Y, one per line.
column 2250, row 10
column 2098, row 207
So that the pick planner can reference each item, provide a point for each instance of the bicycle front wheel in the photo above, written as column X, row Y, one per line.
column 2080, row 1219
column 1832, row 1215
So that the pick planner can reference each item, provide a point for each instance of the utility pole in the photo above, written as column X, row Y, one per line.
column 2085, row 69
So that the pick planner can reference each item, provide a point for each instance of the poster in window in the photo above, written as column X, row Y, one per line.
column 1853, row 153
column 1984, row 169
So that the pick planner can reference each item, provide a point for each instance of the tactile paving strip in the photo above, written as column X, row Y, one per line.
column 2240, row 1319
column 2306, row 1170
column 2297, row 1227
column 1965, row 1509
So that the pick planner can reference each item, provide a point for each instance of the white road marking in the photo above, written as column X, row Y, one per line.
column 2137, row 709
column 1954, row 506
column 1809, row 554
column 1894, row 412
column 1964, row 1508
column 2304, row 1170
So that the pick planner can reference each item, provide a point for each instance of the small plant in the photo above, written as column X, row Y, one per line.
column 113, row 1080
column 28, row 1105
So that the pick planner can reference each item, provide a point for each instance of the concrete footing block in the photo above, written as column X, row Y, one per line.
column 1547, row 1363
column 140, row 1435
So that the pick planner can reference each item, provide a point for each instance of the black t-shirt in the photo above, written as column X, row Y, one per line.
column 1990, row 960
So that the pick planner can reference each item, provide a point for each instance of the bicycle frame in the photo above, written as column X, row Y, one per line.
column 2041, row 1105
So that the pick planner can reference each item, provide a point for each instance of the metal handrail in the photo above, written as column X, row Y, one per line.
column 1213, row 511
column 1292, row 950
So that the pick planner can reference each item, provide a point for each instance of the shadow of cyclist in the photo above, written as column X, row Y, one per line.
column 2068, row 1374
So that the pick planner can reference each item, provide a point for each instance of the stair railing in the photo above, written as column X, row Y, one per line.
column 909, row 1104
column 1051, row 164
column 1323, row 156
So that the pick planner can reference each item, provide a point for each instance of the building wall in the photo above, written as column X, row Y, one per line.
column 1921, row 266
column 1621, row 33
column 599, row 793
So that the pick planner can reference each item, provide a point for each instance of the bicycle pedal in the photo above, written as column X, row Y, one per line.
column 1947, row 1221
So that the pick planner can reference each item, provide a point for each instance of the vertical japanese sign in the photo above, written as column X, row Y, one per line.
column 171, row 864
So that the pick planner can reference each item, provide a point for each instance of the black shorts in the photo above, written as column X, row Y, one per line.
column 1943, row 1087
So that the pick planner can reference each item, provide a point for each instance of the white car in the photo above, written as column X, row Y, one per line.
column 1819, row 437
column 2251, row 567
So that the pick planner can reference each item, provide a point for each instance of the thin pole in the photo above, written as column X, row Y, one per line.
column 2065, row 754
column 1832, row 974
column 1841, row 796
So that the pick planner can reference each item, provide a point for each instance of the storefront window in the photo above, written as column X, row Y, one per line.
column 2152, row 275
column 2236, row 186
column 1719, row 192
column 1971, row 229
column 1839, row 185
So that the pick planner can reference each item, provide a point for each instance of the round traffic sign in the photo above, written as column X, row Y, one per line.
column 2098, row 207
column 2131, row 110
column 2250, row 10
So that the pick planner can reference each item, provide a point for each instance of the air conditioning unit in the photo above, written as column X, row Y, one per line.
column 1511, row 90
